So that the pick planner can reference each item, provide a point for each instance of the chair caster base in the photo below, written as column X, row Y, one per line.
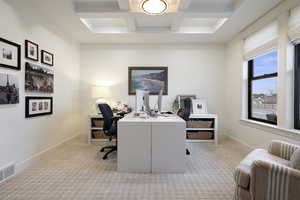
column 111, row 149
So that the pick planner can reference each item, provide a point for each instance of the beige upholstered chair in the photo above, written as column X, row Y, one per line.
column 266, row 175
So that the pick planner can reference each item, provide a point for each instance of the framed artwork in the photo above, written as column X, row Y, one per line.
column 38, row 79
column 9, row 89
column 47, row 58
column 151, row 79
column 38, row 106
column 181, row 99
column 10, row 54
column 199, row 106
column 31, row 50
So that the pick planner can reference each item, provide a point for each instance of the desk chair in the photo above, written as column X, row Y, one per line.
column 185, row 112
column 109, row 127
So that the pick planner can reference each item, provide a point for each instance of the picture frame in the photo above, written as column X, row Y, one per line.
column 31, row 50
column 182, row 97
column 151, row 79
column 38, row 79
column 47, row 58
column 199, row 106
column 38, row 106
column 9, row 89
column 10, row 54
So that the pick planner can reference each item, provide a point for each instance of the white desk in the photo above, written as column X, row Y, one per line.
column 152, row 145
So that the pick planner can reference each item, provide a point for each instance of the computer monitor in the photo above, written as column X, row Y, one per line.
column 139, row 100
column 146, row 102
column 159, row 100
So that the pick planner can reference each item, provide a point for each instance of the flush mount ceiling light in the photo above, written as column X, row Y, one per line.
column 154, row 7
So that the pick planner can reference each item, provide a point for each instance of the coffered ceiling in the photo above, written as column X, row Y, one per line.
column 123, row 21
column 126, row 16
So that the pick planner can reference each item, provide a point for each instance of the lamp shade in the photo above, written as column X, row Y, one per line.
column 100, row 92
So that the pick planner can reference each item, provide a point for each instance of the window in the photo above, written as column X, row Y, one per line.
column 297, row 87
column 262, row 88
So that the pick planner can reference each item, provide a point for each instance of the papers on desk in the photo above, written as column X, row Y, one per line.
column 143, row 115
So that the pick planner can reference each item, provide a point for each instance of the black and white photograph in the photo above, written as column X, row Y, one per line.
column 31, row 50
column 47, row 58
column 38, row 106
column 10, row 54
column 9, row 89
column 38, row 79
column 199, row 106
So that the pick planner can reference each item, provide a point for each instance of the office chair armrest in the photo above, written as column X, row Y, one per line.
column 116, row 117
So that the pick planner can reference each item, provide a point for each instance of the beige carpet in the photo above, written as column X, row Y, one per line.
column 75, row 171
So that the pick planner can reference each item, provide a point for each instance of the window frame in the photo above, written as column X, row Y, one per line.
column 252, row 78
column 297, row 88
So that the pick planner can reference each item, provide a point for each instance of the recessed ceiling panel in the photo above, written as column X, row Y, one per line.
column 106, row 25
column 201, row 25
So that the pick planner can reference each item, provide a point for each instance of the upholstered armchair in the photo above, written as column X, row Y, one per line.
column 266, row 175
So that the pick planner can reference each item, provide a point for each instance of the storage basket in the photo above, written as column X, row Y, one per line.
column 199, row 124
column 201, row 135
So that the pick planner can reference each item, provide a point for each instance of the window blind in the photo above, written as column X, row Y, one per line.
column 294, row 25
column 261, row 42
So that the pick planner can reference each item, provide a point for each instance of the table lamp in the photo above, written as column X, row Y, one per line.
column 100, row 94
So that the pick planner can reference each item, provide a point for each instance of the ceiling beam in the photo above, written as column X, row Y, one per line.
column 177, row 20
column 131, row 24
column 103, row 15
column 184, row 4
column 237, row 3
column 178, row 15
column 153, row 30
column 123, row 4
column 208, row 15
column 211, row 8
column 96, row 6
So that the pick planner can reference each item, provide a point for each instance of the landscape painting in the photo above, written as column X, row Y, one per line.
column 38, row 79
column 151, row 79
column 9, row 89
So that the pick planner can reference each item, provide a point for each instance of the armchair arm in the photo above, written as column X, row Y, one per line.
column 282, row 149
column 271, row 181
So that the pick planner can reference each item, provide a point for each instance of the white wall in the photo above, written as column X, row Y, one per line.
column 212, row 72
column 22, row 138
column 192, row 70
column 250, row 133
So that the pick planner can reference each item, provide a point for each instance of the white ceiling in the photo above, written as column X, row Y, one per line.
column 121, row 21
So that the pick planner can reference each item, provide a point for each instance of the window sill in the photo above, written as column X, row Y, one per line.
column 290, row 133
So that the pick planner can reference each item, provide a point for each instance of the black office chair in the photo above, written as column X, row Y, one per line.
column 185, row 112
column 109, row 127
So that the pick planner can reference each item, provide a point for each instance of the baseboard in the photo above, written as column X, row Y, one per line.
column 20, row 166
column 239, row 141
